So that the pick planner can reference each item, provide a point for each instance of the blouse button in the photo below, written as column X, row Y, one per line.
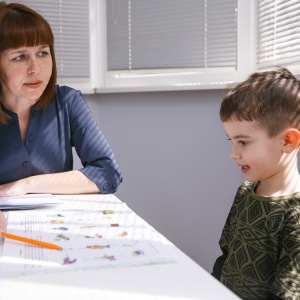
column 26, row 164
column 34, row 113
column 31, row 138
column 105, row 186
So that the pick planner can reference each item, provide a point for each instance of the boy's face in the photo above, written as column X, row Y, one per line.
column 258, row 155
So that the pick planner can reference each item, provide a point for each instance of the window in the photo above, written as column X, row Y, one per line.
column 149, row 45
column 163, row 34
column 140, row 45
column 162, row 44
column 278, row 35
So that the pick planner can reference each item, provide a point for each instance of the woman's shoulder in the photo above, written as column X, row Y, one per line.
column 62, row 91
column 70, row 101
column 65, row 95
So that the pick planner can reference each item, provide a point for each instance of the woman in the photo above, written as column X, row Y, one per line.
column 40, row 122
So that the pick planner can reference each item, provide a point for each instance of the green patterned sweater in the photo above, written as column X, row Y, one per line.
column 261, row 237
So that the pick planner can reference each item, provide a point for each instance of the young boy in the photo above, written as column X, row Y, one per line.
column 261, row 237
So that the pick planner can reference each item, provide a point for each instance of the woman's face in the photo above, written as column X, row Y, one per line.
column 25, row 73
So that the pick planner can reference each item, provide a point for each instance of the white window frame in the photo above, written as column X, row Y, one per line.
column 104, row 81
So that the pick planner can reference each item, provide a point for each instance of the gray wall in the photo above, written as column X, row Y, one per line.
column 175, row 160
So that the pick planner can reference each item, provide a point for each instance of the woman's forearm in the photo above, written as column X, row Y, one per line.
column 72, row 182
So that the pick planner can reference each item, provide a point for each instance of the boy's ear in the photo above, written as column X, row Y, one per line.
column 291, row 140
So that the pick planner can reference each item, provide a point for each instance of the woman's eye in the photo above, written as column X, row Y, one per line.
column 43, row 53
column 19, row 58
column 242, row 143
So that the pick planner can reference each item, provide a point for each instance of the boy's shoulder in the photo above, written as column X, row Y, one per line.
column 288, row 205
column 246, row 187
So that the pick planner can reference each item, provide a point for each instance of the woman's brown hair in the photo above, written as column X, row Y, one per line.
column 22, row 26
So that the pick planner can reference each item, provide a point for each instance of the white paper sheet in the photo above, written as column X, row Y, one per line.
column 90, row 239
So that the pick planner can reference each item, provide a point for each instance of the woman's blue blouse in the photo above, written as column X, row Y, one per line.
column 52, row 132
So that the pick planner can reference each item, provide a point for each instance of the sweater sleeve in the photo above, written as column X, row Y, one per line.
column 97, row 158
column 287, row 280
column 224, row 241
column 218, row 265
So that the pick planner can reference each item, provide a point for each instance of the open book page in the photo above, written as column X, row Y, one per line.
column 90, row 239
column 28, row 201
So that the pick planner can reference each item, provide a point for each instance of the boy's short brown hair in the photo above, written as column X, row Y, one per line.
column 271, row 98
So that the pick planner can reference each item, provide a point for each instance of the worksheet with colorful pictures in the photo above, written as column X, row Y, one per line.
column 89, row 239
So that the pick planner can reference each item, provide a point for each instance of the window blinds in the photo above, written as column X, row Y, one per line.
column 69, row 20
column 278, row 33
column 163, row 34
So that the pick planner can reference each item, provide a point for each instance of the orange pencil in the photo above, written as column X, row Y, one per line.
column 30, row 241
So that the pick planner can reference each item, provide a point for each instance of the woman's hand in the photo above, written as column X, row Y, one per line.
column 16, row 188
column 71, row 182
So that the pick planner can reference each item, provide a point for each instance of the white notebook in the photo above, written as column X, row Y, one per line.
column 28, row 201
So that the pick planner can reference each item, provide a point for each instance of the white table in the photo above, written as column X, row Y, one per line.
column 181, row 280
